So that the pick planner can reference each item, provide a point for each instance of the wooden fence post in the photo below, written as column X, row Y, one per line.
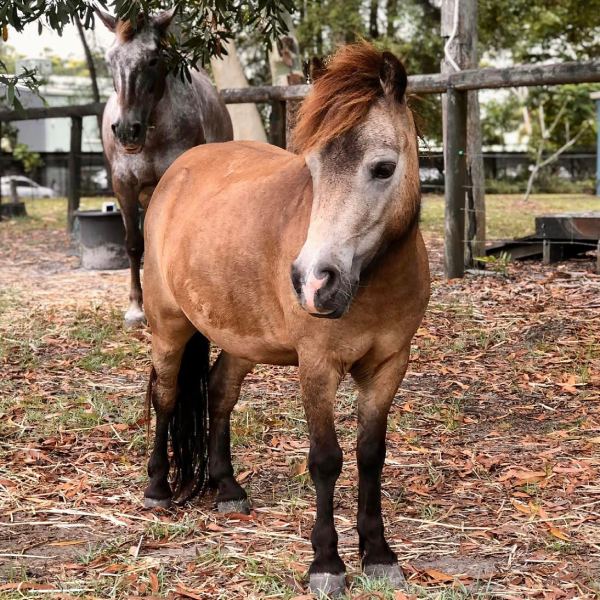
column 455, row 173
column 459, row 31
column 277, row 124
column 291, row 114
column 1, row 170
column 74, row 170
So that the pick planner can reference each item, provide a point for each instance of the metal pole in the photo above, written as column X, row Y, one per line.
column 455, row 173
column 74, row 171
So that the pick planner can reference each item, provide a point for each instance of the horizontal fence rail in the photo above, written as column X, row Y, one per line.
column 471, row 79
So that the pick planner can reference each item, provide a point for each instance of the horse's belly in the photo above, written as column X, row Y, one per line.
column 254, row 349
column 236, row 325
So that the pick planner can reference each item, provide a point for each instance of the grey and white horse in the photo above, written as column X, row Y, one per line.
column 150, row 119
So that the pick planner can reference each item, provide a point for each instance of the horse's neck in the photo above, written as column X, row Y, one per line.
column 177, row 95
column 178, row 98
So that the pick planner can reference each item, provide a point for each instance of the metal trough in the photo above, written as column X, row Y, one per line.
column 102, row 240
column 557, row 237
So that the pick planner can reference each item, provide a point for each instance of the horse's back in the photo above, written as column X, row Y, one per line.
column 210, row 169
column 216, row 121
column 235, row 189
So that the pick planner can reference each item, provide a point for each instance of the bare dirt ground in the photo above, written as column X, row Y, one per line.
column 491, row 484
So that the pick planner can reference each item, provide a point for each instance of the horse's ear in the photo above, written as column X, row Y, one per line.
column 163, row 19
column 393, row 77
column 313, row 69
column 107, row 19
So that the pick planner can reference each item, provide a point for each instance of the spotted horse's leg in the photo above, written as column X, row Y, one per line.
column 134, row 243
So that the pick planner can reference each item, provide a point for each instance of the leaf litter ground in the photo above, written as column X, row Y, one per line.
column 491, row 484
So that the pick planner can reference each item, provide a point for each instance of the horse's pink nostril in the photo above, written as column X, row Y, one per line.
column 311, row 287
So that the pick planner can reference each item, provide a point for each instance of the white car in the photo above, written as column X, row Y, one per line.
column 26, row 188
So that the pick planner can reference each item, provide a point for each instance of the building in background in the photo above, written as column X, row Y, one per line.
column 51, row 137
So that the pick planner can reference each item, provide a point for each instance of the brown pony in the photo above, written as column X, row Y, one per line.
column 248, row 250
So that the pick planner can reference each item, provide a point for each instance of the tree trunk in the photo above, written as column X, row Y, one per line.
column 228, row 73
column 89, row 60
column 373, row 28
column 95, row 89
column 284, row 58
column 391, row 12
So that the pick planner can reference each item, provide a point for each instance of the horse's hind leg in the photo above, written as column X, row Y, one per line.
column 167, row 352
column 225, row 381
column 377, row 384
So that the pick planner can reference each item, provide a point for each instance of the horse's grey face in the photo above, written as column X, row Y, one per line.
column 364, row 190
column 139, row 73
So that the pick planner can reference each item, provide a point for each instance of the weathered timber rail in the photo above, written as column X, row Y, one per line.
column 472, row 79
column 456, row 84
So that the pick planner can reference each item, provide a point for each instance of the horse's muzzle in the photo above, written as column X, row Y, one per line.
column 323, row 292
column 130, row 134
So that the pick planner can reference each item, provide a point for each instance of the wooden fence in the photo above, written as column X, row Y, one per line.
column 455, row 85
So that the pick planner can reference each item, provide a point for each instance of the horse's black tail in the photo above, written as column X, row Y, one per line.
column 188, row 427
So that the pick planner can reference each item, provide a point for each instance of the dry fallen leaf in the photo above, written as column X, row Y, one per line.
column 439, row 575
column 558, row 533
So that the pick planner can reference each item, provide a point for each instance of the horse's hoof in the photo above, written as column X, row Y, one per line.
column 157, row 502
column 327, row 585
column 134, row 318
column 234, row 506
column 393, row 573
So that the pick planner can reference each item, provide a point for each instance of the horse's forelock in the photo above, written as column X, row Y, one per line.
column 341, row 96
column 126, row 30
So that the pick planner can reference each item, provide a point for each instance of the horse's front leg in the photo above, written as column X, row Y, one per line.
column 319, row 383
column 134, row 242
column 377, row 385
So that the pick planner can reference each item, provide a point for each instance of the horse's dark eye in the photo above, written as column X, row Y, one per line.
column 383, row 170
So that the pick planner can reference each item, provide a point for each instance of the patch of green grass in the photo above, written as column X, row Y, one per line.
column 171, row 531
column 401, row 422
column 95, row 326
column 269, row 577
column 21, row 338
column 507, row 216
column 380, row 588
column 52, row 212
column 449, row 413
column 497, row 263
column 429, row 512
column 108, row 346
column 106, row 549
column 247, row 426
column 560, row 546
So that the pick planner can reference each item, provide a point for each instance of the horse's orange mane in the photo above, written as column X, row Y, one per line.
column 125, row 30
column 341, row 96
